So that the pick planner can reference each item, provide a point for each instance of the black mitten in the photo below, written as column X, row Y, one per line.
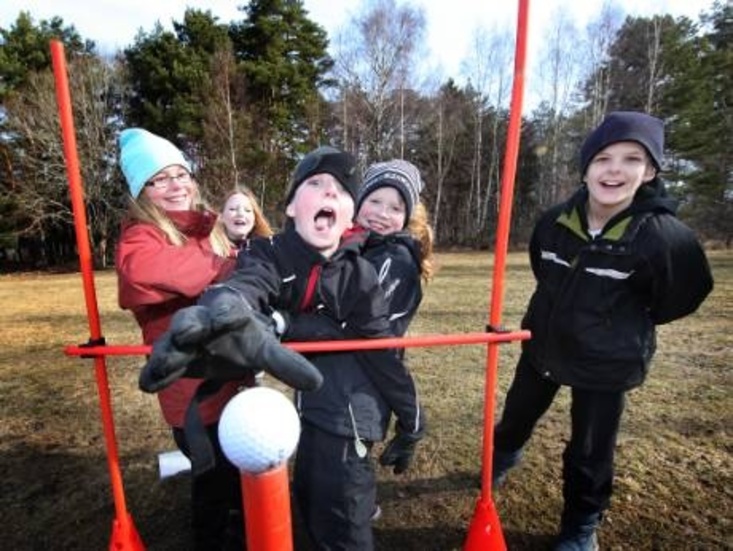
column 167, row 363
column 400, row 450
column 223, row 338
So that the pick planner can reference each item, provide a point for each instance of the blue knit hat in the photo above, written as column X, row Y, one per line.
column 143, row 154
column 625, row 126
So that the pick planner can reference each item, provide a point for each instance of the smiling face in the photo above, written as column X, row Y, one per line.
column 383, row 211
column 322, row 210
column 171, row 189
column 614, row 175
column 238, row 216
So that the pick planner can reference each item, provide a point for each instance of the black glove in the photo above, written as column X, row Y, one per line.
column 400, row 450
column 223, row 338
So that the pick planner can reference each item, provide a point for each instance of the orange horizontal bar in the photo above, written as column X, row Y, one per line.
column 328, row 346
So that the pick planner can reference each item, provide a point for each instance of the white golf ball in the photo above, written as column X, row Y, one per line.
column 259, row 429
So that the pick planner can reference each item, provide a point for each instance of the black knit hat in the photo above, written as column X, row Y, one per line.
column 399, row 174
column 623, row 126
column 326, row 160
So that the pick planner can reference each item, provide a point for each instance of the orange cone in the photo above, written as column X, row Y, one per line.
column 125, row 536
column 266, row 498
column 484, row 533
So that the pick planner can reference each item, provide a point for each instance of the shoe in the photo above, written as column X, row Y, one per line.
column 502, row 463
column 376, row 513
column 577, row 542
column 578, row 533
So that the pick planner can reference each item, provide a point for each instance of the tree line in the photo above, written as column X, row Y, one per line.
column 244, row 99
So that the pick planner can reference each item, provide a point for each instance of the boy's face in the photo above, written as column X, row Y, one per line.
column 322, row 210
column 383, row 211
column 615, row 173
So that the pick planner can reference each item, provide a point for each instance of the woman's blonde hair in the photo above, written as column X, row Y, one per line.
column 419, row 227
column 261, row 226
column 144, row 210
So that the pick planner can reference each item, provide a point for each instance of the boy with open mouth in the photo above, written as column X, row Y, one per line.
column 308, row 272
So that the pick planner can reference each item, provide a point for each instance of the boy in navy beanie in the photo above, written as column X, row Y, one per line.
column 612, row 262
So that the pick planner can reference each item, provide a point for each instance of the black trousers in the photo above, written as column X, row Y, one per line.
column 335, row 491
column 589, row 455
column 216, row 500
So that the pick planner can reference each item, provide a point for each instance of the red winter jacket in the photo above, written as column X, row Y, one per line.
column 156, row 278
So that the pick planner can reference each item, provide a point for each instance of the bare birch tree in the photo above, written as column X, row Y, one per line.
column 559, row 75
column 601, row 34
column 654, row 53
column 488, row 68
column 375, row 66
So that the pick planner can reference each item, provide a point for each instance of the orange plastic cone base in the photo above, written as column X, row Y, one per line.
column 266, row 498
column 125, row 536
column 484, row 533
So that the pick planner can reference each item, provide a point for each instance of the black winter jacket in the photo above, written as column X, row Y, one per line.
column 361, row 388
column 597, row 301
column 396, row 257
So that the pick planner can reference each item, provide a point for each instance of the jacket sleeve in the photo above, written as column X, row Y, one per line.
column 399, row 277
column 152, row 271
column 362, row 313
column 395, row 383
column 312, row 326
column 682, row 278
column 256, row 276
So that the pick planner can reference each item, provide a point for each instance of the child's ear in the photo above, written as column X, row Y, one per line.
column 290, row 210
column 649, row 174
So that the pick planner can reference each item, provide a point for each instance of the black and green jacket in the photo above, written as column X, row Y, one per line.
column 597, row 301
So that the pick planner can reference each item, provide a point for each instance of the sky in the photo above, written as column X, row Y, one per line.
column 113, row 24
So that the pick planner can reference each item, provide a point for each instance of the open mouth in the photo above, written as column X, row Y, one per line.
column 325, row 218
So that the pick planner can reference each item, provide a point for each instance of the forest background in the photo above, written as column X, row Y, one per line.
column 247, row 98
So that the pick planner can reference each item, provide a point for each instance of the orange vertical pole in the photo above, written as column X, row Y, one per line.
column 124, row 533
column 485, row 529
column 266, row 498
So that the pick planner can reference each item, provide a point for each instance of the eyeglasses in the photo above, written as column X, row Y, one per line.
column 162, row 182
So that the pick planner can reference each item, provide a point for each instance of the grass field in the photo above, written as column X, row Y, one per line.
column 674, row 485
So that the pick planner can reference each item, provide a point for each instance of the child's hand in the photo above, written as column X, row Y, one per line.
column 223, row 338
column 400, row 450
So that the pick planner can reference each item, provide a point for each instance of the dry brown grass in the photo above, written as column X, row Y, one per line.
column 674, row 486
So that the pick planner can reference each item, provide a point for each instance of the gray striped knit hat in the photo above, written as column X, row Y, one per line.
column 397, row 173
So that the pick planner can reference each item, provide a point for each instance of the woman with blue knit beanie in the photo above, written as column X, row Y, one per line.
column 168, row 253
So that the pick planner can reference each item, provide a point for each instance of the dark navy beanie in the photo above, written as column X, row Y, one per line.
column 625, row 126
column 326, row 160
